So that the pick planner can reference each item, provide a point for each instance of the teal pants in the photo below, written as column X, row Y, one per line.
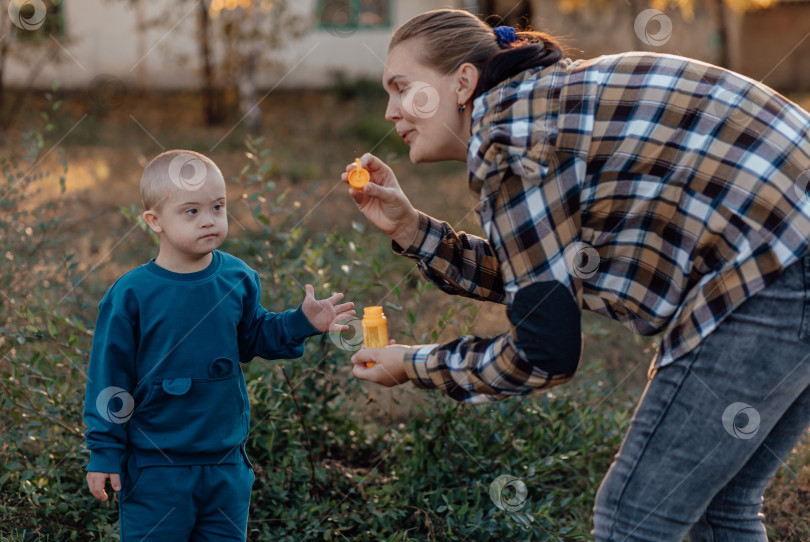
column 199, row 503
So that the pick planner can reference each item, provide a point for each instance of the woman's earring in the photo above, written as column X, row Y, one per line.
column 461, row 108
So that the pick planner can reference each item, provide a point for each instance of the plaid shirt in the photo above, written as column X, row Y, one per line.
column 660, row 191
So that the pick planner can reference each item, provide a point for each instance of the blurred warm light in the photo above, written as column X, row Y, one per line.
column 568, row 6
column 742, row 5
column 686, row 7
column 219, row 5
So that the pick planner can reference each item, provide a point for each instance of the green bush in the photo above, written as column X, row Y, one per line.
column 322, row 474
column 44, row 342
column 324, row 471
column 429, row 478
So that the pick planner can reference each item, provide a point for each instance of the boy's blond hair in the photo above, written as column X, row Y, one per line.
column 174, row 168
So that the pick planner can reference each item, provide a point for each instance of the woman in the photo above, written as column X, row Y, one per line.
column 665, row 193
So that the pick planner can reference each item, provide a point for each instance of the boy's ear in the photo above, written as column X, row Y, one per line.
column 152, row 220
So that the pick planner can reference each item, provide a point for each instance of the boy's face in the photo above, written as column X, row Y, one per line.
column 193, row 221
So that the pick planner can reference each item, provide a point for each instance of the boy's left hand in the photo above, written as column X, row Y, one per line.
column 323, row 314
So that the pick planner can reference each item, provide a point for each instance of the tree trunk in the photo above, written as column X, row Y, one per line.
column 517, row 13
column 636, row 7
column 4, row 42
column 246, row 87
column 21, row 95
column 487, row 8
column 522, row 16
column 212, row 103
column 722, row 33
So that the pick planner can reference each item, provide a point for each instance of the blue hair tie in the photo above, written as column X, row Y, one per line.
column 506, row 35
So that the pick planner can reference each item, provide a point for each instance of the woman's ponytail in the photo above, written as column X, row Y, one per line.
column 452, row 37
column 529, row 50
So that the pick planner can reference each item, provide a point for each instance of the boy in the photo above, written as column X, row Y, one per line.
column 168, row 342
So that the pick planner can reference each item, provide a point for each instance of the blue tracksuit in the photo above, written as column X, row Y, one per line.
column 166, row 403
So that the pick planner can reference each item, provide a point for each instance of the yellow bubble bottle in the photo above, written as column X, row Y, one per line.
column 359, row 176
column 375, row 329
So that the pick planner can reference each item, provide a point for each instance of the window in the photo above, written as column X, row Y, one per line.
column 351, row 14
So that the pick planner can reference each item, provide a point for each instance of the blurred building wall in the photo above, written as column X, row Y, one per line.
column 103, row 37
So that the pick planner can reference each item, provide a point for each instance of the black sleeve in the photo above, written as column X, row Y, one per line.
column 548, row 328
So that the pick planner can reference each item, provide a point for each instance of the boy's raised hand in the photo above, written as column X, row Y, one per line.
column 324, row 314
column 97, row 480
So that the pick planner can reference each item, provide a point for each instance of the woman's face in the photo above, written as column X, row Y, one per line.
column 423, row 105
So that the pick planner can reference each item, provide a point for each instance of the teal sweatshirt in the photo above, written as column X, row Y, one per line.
column 164, row 381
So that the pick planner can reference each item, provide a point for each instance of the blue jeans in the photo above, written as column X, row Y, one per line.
column 713, row 427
